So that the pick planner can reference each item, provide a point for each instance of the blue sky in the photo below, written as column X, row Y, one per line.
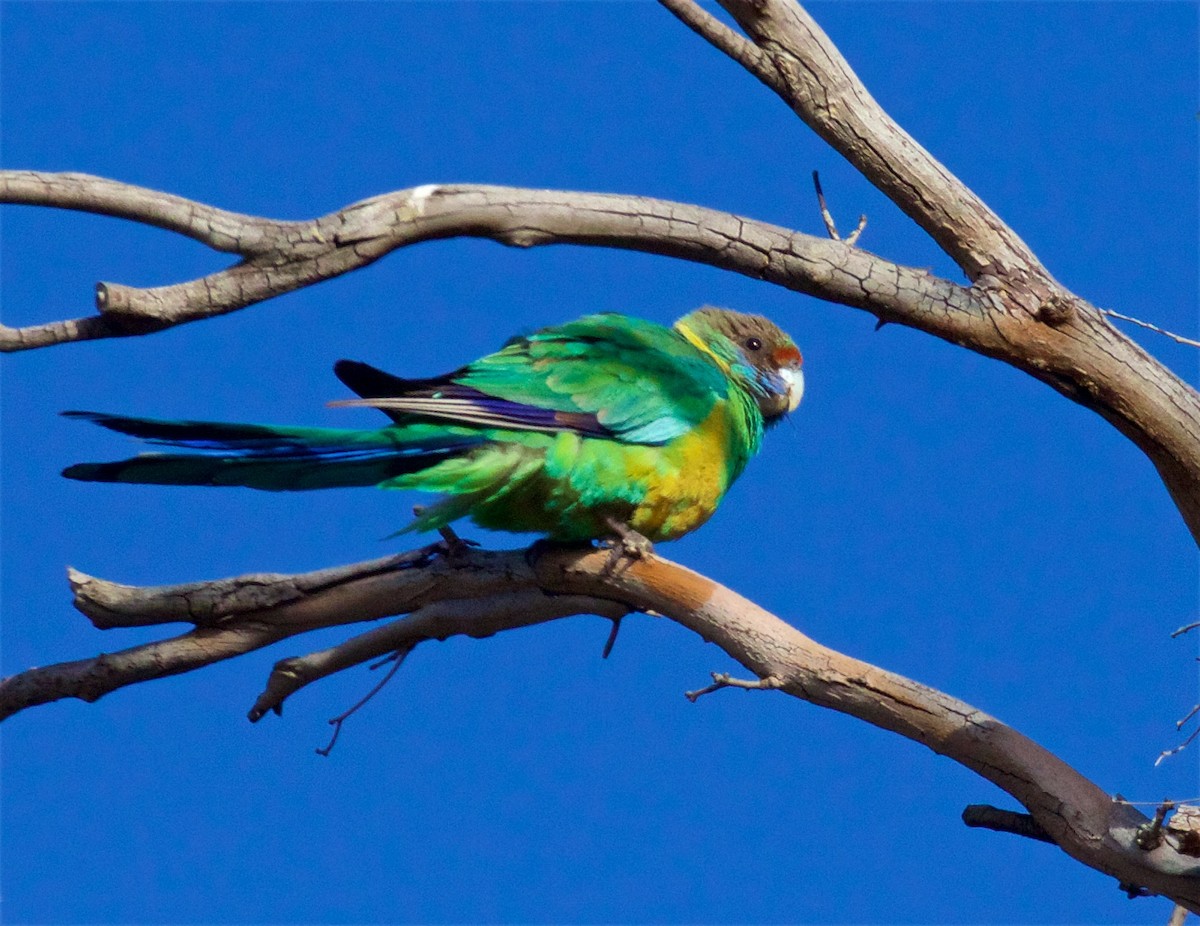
column 929, row 510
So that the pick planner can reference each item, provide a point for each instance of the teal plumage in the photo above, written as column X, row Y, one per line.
column 564, row 432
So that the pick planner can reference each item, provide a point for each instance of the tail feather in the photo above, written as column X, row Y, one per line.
column 373, row 383
column 217, row 435
column 267, row 457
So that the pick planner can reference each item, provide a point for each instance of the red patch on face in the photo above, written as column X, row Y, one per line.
column 787, row 356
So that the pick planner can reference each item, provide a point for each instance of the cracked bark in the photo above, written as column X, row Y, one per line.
column 1012, row 310
column 481, row 593
column 1081, row 355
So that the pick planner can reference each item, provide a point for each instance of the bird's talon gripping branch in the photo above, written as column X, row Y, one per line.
column 1150, row 835
column 627, row 544
column 725, row 680
column 454, row 546
column 606, row 413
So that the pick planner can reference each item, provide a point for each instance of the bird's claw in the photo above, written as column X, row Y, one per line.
column 627, row 545
column 453, row 546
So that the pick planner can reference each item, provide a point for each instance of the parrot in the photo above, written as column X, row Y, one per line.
column 608, row 426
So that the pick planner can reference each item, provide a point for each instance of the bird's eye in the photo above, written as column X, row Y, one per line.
column 753, row 344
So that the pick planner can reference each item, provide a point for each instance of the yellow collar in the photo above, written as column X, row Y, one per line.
column 692, row 338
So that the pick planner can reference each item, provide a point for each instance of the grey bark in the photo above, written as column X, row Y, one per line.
column 1012, row 309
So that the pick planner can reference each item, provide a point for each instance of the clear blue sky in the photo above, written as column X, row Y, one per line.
column 929, row 510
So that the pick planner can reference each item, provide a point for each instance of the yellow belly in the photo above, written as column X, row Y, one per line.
column 689, row 482
column 567, row 486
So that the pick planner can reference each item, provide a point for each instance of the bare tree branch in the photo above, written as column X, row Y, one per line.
column 283, row 256
column 217, row 228
column 1035, row 324
column 737, row 47
column 1049, row 333
column 1014, row 311
column 822, row 89
column 438, row 620
column 480, row 593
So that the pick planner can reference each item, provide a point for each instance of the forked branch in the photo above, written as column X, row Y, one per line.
column 1035, row 324
column 1026, row 319
column 480, row 593
column 1012, row 310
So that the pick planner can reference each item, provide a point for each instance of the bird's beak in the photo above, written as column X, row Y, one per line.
column 794, row 377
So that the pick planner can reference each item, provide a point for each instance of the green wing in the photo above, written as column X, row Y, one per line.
column 602, row 375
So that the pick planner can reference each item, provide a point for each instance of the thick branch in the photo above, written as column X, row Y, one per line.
column 1031, row 322
column 1044, row 331
column 482, row 593
column 809, row 74
column 283, row 256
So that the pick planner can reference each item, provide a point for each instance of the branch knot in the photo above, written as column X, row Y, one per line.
column 1056, row 310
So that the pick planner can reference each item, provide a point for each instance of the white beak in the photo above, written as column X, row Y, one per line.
column 794, row 377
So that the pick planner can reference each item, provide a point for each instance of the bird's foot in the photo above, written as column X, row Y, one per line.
column 453, row 546
column 627, row 545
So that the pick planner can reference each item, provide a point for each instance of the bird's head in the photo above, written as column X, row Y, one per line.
column 754, row 351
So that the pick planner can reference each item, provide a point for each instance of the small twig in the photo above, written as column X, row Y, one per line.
column 725, row 680
column 1178, row 916
column 1184, row 629
column 1149, row 835
column 988, row 817
column 612, row 637
column 397, row 659
column 1167, row 753
column 830, row 225
column 852, row 238
column 1137, row 321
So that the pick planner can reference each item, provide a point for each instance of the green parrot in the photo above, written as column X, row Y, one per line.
column 581, row 431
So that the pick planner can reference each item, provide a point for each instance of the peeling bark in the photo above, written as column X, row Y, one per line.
column 481, row 593
column 1012, row 310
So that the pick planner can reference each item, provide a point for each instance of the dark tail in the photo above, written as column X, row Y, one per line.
column 266, row 457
